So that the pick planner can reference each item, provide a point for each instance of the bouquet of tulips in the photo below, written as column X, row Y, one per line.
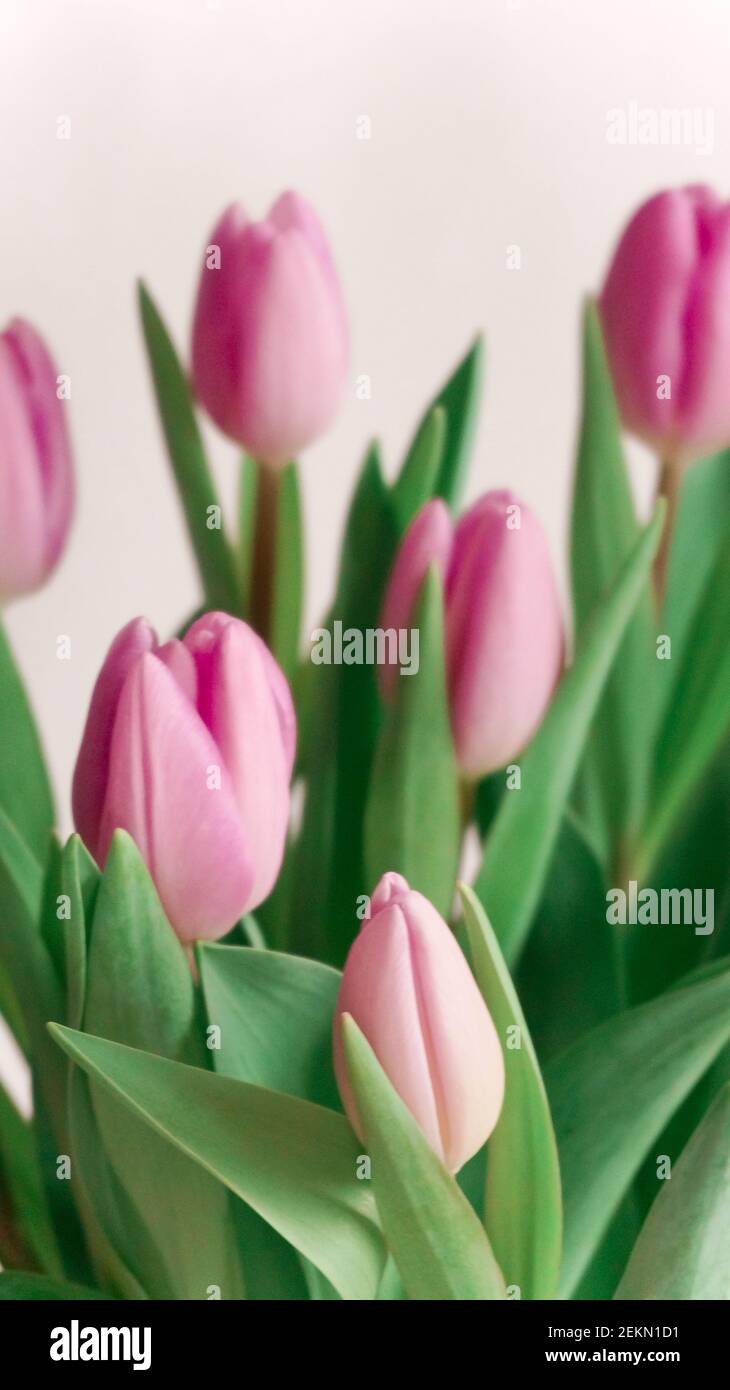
column 391, row 961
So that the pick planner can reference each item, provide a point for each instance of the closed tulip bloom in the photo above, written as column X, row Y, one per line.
column 504, row 632
column 427, row 542
column 665, row 310
column 189, row 747
column 36, row 471
column 503, row 627
column 270, row 339
column 410, row 991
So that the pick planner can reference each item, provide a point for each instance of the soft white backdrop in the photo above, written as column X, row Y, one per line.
column 488, row 129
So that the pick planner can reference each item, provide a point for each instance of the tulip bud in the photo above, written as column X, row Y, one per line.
column 36, row 472
column 270, row 341
column 665, row 311
column 410, row 991
column 504, row 636
column 189, row 747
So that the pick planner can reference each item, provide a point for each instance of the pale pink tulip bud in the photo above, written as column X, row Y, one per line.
column 270, row 339
column 189, row 747
column 504, row 634
column 665, row 310
column 427, row 542
column 412, row 994
column 36, row 470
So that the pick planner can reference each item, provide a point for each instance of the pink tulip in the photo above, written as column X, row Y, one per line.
column 36, row 471
column 410, row 991
column 665, row 310
column 189, row 747
column 504, row 635
column 270, row 341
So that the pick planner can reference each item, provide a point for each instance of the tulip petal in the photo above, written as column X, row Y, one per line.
column 643, row 305
column 46, row 415
column 466, row 1061
column 379, row 990
column 167, row 788
column 92, row 765
column 426, row 542
column 235, row 702
column 23, row 550
column 704, row 396
column 504, row 632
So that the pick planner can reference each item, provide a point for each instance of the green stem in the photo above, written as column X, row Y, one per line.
column 263, row 563
column 668, row 487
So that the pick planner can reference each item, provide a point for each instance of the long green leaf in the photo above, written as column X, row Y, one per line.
column 328, row 872
column 683, row 1251
column 274, row 1013
column 419, row 476
column 459, row 398
column 612, row 1093
column 22, row 1182
column 520, row 844
column 190, row 467
column 293, row 1162
column 523, row 1210
column 14, row 1284
column 604, row 530
column 435, row 1238
column 140, row 992
column 412, row 816
column 697, row 719
column 568, row 977
column 25, row 791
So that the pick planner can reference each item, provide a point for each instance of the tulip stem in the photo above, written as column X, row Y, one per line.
column 670, row 480
column 263, row 564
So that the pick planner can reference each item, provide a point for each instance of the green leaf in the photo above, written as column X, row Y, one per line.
column 412, row 816
column 694, row 854
column 29, row 968
column 21, row 1180
column 437, row 1242
column 80, row 879
column 293, row 1162
column 703, row 511
column 568, row 980
column 604, row 530
column 683, row 1251
column 698, row 714
column 523, row 1210
column 460, row 400
column 14, row 1284
column 189, row 465
column 614, row 1090
column 328, row 873
column 140, row 992
column 25, row 791
column 275, row 1017
column 418, row 478
column 522, row 839
column 122, row 1250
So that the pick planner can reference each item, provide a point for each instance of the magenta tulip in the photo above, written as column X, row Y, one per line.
column 36, row 471
column 665, row 310
column 410, row 991
column 504, row 633
column 189, row 747
column 270, row 340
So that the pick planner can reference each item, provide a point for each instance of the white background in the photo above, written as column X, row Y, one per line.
column 489, row 126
